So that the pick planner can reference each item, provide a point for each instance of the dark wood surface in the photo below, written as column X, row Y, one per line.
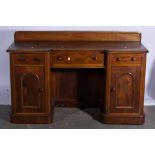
column 80, row 46
column 78, row 88
column 77, row 69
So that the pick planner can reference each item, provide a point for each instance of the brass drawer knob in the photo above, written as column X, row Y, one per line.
column 133, row 59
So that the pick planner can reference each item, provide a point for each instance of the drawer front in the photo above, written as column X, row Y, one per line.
column 29, row 59
column 78, row 59
column 129, row 59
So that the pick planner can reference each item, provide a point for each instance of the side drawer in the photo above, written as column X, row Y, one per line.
column 129, row 59
column 29, row 59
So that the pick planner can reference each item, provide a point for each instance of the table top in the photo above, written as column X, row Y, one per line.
column 45, row 46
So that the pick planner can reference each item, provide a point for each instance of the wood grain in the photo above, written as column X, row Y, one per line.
column 77, row 69
column 76, row 36
column 75, row 59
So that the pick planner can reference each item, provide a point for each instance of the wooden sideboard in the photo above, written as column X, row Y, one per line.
column 77, row 69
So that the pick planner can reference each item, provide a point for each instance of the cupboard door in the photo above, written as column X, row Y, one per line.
column 30, row 89
column 125, row 89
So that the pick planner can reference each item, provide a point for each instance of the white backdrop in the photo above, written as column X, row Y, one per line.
column 6, row 38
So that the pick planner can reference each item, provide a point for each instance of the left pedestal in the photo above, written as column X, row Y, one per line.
column 30, row 88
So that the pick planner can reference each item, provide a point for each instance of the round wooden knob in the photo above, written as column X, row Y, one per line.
column 118, row 59
column 59, row 58
column 36, row 59
column 113, row 89
column 41, row 90
column 94, row 58
column 133, row 59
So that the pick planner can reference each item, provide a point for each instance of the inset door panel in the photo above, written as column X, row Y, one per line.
column 30, row 89
column 125, row 89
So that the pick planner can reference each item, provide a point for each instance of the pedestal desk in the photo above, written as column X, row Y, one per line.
column 77, row 69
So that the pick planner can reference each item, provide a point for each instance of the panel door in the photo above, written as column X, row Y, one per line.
column 30, row 89
column 125, row 89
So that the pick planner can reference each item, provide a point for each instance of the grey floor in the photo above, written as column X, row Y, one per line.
column 74, row 118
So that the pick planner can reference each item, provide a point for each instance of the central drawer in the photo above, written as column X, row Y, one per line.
column 77, row 59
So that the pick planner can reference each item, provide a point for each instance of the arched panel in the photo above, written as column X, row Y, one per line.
column 125, row 90
column 29, row 89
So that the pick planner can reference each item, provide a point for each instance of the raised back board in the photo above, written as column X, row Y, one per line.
column 76, row 36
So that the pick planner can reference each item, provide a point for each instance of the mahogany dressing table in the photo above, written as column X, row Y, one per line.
column 77, row 69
